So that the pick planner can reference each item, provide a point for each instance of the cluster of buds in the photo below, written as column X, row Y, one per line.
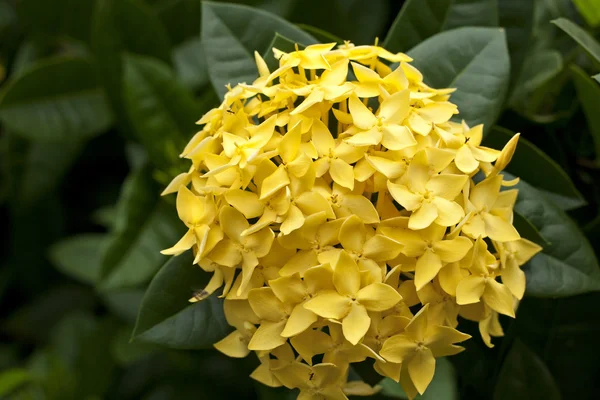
column 346, row 217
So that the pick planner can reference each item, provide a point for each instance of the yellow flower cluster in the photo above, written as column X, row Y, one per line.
column 335, row 203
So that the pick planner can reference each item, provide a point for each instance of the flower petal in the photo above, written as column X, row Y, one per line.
column 329, row 304
column 346, row 276
column 378, row 297
column 268, row 336
column 356, row 324
column 499, row 298
column 421, row 369
column 428, row 266
column 300, row 320
column 423, row 217
column 470, row 290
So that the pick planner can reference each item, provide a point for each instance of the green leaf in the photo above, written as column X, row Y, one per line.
column 525, row 376
column 537, row 168
column 359, row 21
column 37, row 168
column 124, row 303
column 421, row 19
column 320, row 34
column 231, row 34
column 538, row 69
column 79, row 256
column 528, row 231
column 124, row 26
column 282, row 43
column 590, row 10
column 145, row 224
column 190, row 64
column 584, row 39
column 59, row 17
column 181, row 18
column 443, row 386
column 55, row 100
column 12, row 379
column 167, row 318
column 597, row 77
column 568, row 266
column 163, row 112
column 516, row 17
column 125, row 352
column 475, row 61
column 588, row 93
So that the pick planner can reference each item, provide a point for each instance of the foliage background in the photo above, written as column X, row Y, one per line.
column 98, row 96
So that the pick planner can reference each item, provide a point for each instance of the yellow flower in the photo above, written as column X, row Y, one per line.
column 349, row 302
column 430, row 198
column 321, row 381
column 482, row 284
column 419, row 344
column 332, row 196
column 491, row 212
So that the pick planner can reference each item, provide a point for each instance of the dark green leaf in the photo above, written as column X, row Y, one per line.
column 320, row 34
column 588, row 93
column 578, row 34
column 125, row 303
column 538, row 69
column 55, row 100
column 231, row 34
column 525, row 376
column 124, row 26
column 190, row 64
column 421, row 19
column 597, row 78
column 464, row 58
column 105, row 216
column 12, row 379
column 167, row 318
column 568, row 266
column 125, row 352
column 82, row 341
column 527, row 230
column 163, row 112
column 144, row 225
column 58, row 17
column 36, row 168
column 537, row 168
column 359, row 21
column 269, row 393
column 181, row 18
column 280, row 43
column 36, row 320
column 79, row 256
column 516, row 17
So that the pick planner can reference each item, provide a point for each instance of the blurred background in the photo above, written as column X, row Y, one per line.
column 96, row 99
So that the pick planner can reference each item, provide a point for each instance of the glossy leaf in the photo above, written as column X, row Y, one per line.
column 55, row 100
column 162, row 112
column 145, row 224
column 181, row 18
column 525, row 376
column 538, row 169
column 167, row 318
column 79, row 256
column 321, row 35
column 124, row 303
column 583, row 38
column 568, row 266
column 464, row 58
column 420, row 19
column 588, row 93
column 231, row 34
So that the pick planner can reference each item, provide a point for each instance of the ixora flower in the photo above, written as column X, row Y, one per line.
column 346, row 217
